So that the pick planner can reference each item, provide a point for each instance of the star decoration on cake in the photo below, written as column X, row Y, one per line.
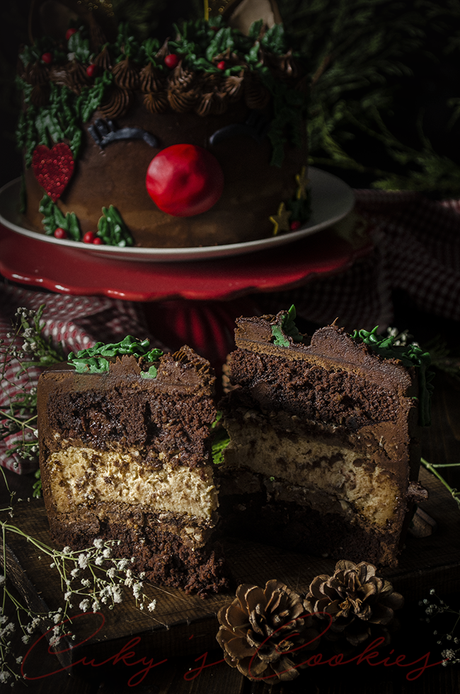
column 281, row 220
column 302, row 182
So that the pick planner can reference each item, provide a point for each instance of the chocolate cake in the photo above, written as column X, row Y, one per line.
column 125, row 455
column 323, row 456
column 198, row 140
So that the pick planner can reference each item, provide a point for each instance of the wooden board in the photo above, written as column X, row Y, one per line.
column 187, row 625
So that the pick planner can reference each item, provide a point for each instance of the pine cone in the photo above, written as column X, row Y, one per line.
column 264, row 634
column 360, row 603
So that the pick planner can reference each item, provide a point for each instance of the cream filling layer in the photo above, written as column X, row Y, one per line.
column 352, row 479
column 81, row 475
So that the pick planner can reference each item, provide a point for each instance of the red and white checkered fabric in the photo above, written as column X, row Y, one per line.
column 76, row 322
column 416, row 249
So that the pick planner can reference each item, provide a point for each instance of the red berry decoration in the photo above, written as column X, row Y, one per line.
column 98, row 241
column 171, row 60
column 295, row 225
column 184, row 180
column 47, row 58
column 222, row 65
column 70, row 32
column 89, row 237
column 92, row 70
column 53, row 168
column 60, row 233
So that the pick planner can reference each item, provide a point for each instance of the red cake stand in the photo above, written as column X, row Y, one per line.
column 29, row 258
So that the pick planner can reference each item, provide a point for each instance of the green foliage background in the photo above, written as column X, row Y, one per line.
column 385, row 100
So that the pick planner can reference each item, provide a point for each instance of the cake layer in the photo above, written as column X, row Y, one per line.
column 169, row 414
column 312, row 391
column 159, row 547
column 351, row 478
column 82, row 475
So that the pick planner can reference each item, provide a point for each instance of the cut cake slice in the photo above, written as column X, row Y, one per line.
column 124, row 439
column 322, row 455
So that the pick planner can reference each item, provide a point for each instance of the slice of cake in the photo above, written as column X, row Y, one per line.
column 125, row 455
column 322, row 454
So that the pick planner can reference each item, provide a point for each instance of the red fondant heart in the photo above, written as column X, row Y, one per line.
column 53, row 168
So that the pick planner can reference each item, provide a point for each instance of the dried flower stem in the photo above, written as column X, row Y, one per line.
column 433, row 469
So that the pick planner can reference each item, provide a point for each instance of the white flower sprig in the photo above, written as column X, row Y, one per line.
column 91, row 579
column 25, row 347
column 435, row 607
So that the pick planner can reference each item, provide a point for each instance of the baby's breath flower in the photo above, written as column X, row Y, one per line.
column 152, row 606
column 117, row 594
column 448, row 653
column 98, row 543
column 83, row 561
column 137, row 590
column 99, row 561
column 107, row 553
column 84, row 605
column 25, row 638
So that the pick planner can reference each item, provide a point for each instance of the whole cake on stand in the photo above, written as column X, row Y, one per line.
column 192, row 140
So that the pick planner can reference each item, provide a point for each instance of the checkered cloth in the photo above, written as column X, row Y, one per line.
column 416, row 248
column 76, row 322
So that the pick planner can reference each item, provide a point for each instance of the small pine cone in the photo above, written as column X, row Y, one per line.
column 360, row 603
column 264, row 633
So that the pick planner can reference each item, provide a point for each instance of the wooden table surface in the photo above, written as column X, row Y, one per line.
column 186, row 675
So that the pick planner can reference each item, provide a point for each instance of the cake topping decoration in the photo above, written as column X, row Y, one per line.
column 53, row 168
column 285, row 328
column 391, row 347
column 94, row 359
column 184, row 180
column 281, row 219
column 105, row 132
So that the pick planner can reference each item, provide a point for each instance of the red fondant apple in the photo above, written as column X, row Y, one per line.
column 184, row 180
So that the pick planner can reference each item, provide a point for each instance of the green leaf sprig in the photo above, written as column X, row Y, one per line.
column 287, row 328
column 95, row 359
column 410, row 355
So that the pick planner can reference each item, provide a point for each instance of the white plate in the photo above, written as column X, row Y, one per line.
column 331, row 200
